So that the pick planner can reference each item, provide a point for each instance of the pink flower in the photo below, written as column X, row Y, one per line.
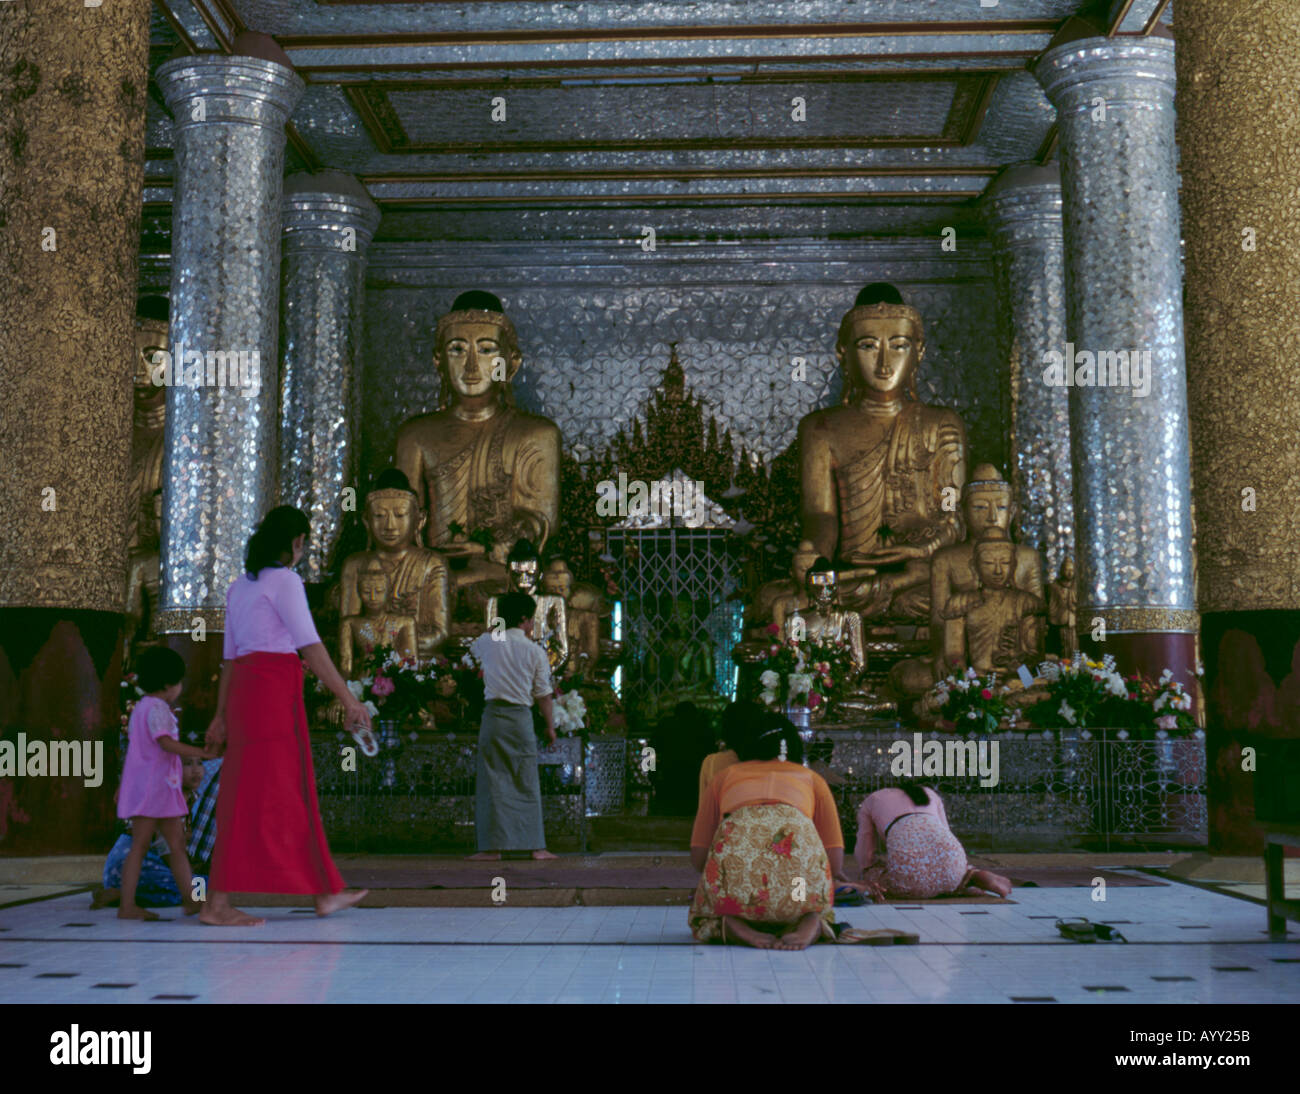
column 985, row 693
column 383, row 686
column 773, row 628
column 775, row 648
column 1167, row 721
column 814, row 700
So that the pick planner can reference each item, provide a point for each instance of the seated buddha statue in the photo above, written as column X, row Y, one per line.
column 377, row 626
column 681, row 662
column 550, row 619
column 484, row 471
column 417, row 577
column 583, row 605
column 987, row 503
column 821, row 619
column 881, row 474
column 998, row 622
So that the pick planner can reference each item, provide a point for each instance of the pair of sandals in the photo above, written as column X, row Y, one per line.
column 1084, row 930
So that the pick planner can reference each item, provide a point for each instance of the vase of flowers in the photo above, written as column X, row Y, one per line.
column 398, row 692
column 966, row 702
column 804, row 678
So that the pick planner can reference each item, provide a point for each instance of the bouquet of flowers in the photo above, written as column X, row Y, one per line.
column 570, row 711
column 807, row 673
column 395, row 688
column 973, row 704
column 1084, row 693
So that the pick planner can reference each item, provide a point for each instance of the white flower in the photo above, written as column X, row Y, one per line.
column 374, row 710
column 769, row 680
column 1184, row 703
column 1200, row 669
column 971, row 674
column 420, row 677
column 1160, row 702
column 1066, row 712
column 972, row 714
column 1166, row 676
column 1116, row 686
column 768, row 698
column 355, row 687
column 963, row 684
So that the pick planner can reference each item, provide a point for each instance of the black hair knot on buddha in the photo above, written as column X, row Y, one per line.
column 478, row 300
column 878, row 292
column 393, row 479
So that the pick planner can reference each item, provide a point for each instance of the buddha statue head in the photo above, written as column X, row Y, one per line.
column 987, row 501
column 1066, row 575
column 805, row 555
column 477, row 351
column 372, row 587
column 995, row 558
column 881, row 343
column 392, row 512
column 558, row 579
column 820, row 585
column 523, row 566
column 151, row 340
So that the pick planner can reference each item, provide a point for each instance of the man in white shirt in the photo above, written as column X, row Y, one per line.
column 516, row 672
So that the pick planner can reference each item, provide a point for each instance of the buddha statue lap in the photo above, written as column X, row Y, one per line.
column 482, row 468
column 880, row 474
column 418, row 581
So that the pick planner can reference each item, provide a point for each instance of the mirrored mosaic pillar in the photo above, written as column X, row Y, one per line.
column 1023, row 209
column 328, row 223
column 221, row 461
column 1128, row 400
column 1239, row 134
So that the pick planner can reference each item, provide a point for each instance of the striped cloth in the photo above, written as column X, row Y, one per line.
column 203, row 815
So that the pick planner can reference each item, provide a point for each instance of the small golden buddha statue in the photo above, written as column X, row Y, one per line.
column 417, row 577
column 144, row 499
column 378, row 626
column 777, row 599
column 822, row 620
column 877, row 472
column 550, row 619
column 998, row 623
column 1062, row 608
column 478, row 464
column 583, row 606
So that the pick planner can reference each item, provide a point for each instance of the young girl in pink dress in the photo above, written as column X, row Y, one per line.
column 150, row 796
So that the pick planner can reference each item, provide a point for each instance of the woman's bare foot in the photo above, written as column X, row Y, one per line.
column 802, row 935
column 991, row 882
column 542, row 854
column 485, row 856
column 191, row 907
column 336, row 902
column 136, row 913
column 228, row 917
column 743, row 932
column 104, row 898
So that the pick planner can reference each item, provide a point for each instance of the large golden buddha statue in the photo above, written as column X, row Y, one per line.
column 145, row 497
column 418, row 584
column 882, row 473
column 484, row 470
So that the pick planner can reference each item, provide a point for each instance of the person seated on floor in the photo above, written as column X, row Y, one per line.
column 738, row 722
column 157, row 887
column 768, row 845
column 681, row 741
column 905, row 848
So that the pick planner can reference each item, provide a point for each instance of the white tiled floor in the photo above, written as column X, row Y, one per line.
column 628, row 955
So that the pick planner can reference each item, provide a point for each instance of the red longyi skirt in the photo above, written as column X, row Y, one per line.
column 269, row 833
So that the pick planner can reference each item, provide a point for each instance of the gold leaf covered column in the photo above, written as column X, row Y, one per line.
column 1239, row 133
column 73, row 84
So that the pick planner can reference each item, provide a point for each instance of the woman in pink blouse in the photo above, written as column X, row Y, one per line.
column 906, row 849
column 269, row 833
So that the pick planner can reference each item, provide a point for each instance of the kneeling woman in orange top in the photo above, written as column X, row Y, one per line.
column 768, row 844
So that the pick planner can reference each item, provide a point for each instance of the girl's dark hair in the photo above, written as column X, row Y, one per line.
column 765, row 744
column 738, row 723
column 274, row 537
column 915, row 790
column 159, row 667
